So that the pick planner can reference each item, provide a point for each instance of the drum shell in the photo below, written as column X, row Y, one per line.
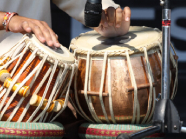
column 122, row 100
column 26, row 72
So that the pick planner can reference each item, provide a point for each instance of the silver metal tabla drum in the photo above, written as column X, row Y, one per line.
column 119, row 79
column 35, row 81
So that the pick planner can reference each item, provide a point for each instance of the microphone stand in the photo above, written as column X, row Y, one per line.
column 166, row 118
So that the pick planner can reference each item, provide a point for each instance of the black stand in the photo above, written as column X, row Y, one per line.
column 166, row 118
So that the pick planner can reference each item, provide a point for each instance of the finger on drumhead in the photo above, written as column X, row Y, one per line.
column 26, row 27
column 37, row 31
column 51, row 38
column 48, row 36
column 118, row 17
column 127, row 13
column 104, row 19
column 111, row 15
column 54, row 38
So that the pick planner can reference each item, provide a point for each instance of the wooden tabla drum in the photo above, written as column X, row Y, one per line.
column 119, row 79
column 34, row 81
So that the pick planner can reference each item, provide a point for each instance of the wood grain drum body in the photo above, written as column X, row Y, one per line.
column 119, row 79
column 34, row 81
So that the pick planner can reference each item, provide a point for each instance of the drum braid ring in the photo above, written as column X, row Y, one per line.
column 111, row 53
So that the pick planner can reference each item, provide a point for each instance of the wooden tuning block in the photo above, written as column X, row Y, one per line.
column 55, row 105
column 24, row 91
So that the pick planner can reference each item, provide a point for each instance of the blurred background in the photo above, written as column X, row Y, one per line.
column 144, row 13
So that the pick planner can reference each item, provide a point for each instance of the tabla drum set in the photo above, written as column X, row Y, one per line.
column 108, row 80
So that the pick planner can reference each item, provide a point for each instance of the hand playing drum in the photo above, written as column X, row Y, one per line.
column 19, row 24
column 114, row 22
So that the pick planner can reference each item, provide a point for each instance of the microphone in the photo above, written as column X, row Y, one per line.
column 93, row 10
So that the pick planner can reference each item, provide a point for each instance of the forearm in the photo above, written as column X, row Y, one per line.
column 1, row 20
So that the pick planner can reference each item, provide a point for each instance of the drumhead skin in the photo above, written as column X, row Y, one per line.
column 61, row 53
column 133, row 41
column 119, row 79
